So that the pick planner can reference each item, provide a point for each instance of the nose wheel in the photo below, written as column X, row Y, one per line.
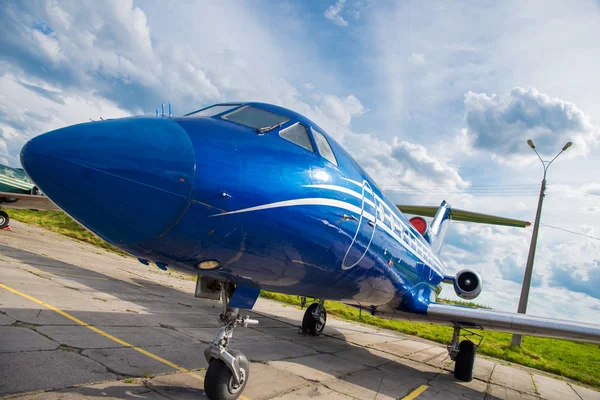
column 315, row 318
column 220, row 383
column 228, row 370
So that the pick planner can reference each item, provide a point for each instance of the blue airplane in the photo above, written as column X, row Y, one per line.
column 253, row 196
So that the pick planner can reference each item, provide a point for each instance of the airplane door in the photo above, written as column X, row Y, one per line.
column 365, row 230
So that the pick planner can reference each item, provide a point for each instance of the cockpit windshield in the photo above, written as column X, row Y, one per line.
column 213, row 110
column 256, row 118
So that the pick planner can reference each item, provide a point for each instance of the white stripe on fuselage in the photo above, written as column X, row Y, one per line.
column 421, row 250
column 342, row 189
column 299, row 202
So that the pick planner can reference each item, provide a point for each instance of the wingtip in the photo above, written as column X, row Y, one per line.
column 527, row 223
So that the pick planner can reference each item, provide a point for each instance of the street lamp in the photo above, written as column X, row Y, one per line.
column 517, row 339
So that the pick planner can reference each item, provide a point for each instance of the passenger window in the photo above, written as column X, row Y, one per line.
column 297, row 134
column 323, row 146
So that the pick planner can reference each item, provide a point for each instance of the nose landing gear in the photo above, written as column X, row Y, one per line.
column 315, row 318
column 228, row 370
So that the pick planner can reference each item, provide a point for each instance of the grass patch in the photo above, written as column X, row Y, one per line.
column 577, row 361
column 462, row 303
column 61, row 223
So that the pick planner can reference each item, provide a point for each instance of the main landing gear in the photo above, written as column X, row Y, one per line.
column 228, row 370
column 463, row 354
column 315, row 318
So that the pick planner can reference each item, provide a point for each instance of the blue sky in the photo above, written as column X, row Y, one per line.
column 435, row 100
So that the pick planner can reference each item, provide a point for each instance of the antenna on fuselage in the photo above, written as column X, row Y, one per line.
column 163, row 109
column 157, row 112
column 170, row 110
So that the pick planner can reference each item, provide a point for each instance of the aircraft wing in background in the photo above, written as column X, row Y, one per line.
column 465, row 216
column 467, row 317
column 26, row 202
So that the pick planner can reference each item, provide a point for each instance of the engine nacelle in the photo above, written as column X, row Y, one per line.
column 467, row 284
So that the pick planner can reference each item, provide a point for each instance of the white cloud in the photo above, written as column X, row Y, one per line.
column 417, row 58
column 501, row 125
column 333, row 13
column 26, row 113
column 405, row 170
column 341, row 109
column 111, row 51
column 592, row 188
column 592, row 209
column 561, row 278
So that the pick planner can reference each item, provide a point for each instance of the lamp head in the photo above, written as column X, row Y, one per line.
column 566, row 146
column 530, row 143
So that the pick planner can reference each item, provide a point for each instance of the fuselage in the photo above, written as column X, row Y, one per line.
column 272, row 208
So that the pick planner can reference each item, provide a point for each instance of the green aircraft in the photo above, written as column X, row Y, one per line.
column 18, row 191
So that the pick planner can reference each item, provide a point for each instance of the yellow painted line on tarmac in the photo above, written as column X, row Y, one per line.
column 415, row 393
column 108, row 335
column 61, row 274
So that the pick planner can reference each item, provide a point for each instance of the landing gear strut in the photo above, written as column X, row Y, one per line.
column 463, row 353
column 228, row 370
column 314, row 319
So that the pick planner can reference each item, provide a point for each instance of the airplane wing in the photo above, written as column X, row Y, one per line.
column 476, row 318
column 465, row 216
column 26, row 202
column 524, row 324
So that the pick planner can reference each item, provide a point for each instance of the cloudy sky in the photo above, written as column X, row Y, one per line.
column 435, row 100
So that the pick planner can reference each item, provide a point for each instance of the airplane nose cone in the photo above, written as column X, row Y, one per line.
column 126, row 179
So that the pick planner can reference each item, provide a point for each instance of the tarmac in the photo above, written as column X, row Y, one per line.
column 79, row 322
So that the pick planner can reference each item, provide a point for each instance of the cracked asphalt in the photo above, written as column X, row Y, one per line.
column 78, row 322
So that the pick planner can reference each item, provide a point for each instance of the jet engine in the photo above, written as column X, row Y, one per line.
column 467, row 284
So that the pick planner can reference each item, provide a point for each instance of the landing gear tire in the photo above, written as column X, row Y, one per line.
column 228, row 371
column 465, row 361
column 4, row 220
column 314, row 322
column 219, row 383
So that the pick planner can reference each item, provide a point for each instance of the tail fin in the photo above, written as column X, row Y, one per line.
column 439, row 225
column 444, row 213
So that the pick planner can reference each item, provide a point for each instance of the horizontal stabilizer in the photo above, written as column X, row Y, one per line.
column 466, row 216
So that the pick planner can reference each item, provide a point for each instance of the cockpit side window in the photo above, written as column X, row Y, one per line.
column 297, row 134
column 261, row 120
column 323, row 146
column 213, row 110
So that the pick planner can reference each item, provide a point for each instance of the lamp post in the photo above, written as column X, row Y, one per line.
column 517, row 339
